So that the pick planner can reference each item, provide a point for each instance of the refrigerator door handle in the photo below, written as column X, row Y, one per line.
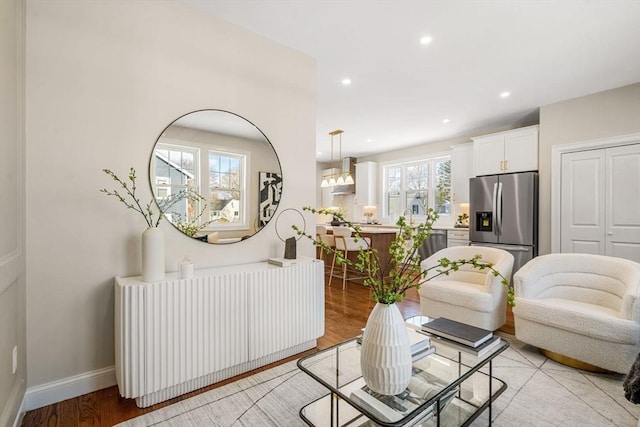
column 494, row 206
column 499, row 208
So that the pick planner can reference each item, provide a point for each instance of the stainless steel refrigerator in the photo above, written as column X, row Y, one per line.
column 503, row 213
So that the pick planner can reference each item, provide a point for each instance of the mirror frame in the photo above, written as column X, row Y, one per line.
column 253, row 224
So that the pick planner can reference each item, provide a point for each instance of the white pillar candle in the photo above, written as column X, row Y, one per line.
column 185, row 269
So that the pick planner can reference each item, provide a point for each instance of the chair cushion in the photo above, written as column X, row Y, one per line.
column 579, row 317
column 469, row 295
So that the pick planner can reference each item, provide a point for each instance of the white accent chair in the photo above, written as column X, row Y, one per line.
column 471, row 296
column 345, row 244
column 581, row 306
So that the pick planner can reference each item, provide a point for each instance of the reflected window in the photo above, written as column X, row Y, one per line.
column 176, row 169
column 225, row 186
column 179, row 168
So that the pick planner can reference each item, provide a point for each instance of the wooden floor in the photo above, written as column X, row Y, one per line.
column 346, row 313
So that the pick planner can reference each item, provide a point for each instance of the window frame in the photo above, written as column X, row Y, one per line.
column 201, row 168
column 403, row 164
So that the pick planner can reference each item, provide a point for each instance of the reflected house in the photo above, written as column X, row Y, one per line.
column 170, row 179
column 416, row 207
column 225, row 210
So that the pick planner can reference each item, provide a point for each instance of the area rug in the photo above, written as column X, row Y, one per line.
column 540, row 393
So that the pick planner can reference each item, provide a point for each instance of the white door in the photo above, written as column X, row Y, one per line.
column 582, row 206
column 600, row 202
column 623, row 202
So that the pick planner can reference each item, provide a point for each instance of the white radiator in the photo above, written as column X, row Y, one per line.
column 176, row 336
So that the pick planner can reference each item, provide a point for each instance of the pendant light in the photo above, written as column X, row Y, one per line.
column 332, row 181
column 341, row 179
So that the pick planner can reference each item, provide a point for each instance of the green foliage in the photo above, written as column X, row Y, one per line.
column 404, row 265
column 191, row 227
column 131, row 200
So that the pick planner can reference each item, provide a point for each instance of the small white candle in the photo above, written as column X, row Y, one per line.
column 185, row 269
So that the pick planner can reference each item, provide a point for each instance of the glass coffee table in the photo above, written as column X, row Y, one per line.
column 450, row 387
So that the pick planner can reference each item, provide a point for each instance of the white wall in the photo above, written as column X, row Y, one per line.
column 605, row 114
column 12, row 210
column 104, row 78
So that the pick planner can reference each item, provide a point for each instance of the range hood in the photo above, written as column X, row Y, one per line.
column 348, row 165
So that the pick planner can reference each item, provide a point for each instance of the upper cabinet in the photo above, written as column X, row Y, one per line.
column 461, row 163
column 366, row 180
column 510, row 151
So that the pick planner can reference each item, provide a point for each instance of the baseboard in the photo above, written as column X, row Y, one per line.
column 67, row 388
column 20, row 415
column 8, row 416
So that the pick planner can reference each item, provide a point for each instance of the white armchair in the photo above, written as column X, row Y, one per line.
column 580, row 306
column 471, row 296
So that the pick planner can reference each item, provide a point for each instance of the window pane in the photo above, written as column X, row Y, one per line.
column 443, row 187
column 394, row 178
column 393, row 204
column 417, row 202
column 175, row 172
column 225, row 180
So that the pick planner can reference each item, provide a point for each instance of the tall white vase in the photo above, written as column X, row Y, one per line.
column 385, row 357
column 152, row 255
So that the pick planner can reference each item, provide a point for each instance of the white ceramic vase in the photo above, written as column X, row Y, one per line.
column 152, row 255
column 385, row 357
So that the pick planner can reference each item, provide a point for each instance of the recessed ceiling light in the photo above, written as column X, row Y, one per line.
column 445, row 120
column 346, row 82
column 425, row 40
column 504, row 94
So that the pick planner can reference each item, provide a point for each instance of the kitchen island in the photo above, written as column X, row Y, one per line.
column 381, row 237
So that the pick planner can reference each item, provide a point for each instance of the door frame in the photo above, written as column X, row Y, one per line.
column 556, row 173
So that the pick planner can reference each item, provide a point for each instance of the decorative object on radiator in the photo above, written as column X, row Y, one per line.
column 152, row 246
column 285, row 223
column 185, row 269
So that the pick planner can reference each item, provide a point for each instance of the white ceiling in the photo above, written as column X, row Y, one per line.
column 540, row 51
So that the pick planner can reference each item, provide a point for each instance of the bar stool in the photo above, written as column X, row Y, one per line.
column 345, row 244
column 322, row 235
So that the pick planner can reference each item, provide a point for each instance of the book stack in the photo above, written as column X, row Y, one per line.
column 392, row 409
column 468, row 338
column 420, row 344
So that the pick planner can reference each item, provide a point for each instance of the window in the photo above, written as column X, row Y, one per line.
column 180, row 168
column 412, row 188
column 176, row 169
column 225, row 186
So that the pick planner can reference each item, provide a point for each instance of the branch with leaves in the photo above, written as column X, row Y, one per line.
column 404, row 264
column 127, row 195
column 193, row 226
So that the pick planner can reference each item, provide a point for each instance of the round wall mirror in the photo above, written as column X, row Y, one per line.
column 216, row 176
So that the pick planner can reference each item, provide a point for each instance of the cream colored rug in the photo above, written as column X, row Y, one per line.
column 540, row 393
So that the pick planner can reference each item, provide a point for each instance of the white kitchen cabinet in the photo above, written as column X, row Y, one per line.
column 461, row 164
column 504, row 152
column 366, row 183
column 458, row 237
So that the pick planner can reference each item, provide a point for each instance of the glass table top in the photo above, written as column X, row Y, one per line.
column 447, row 373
